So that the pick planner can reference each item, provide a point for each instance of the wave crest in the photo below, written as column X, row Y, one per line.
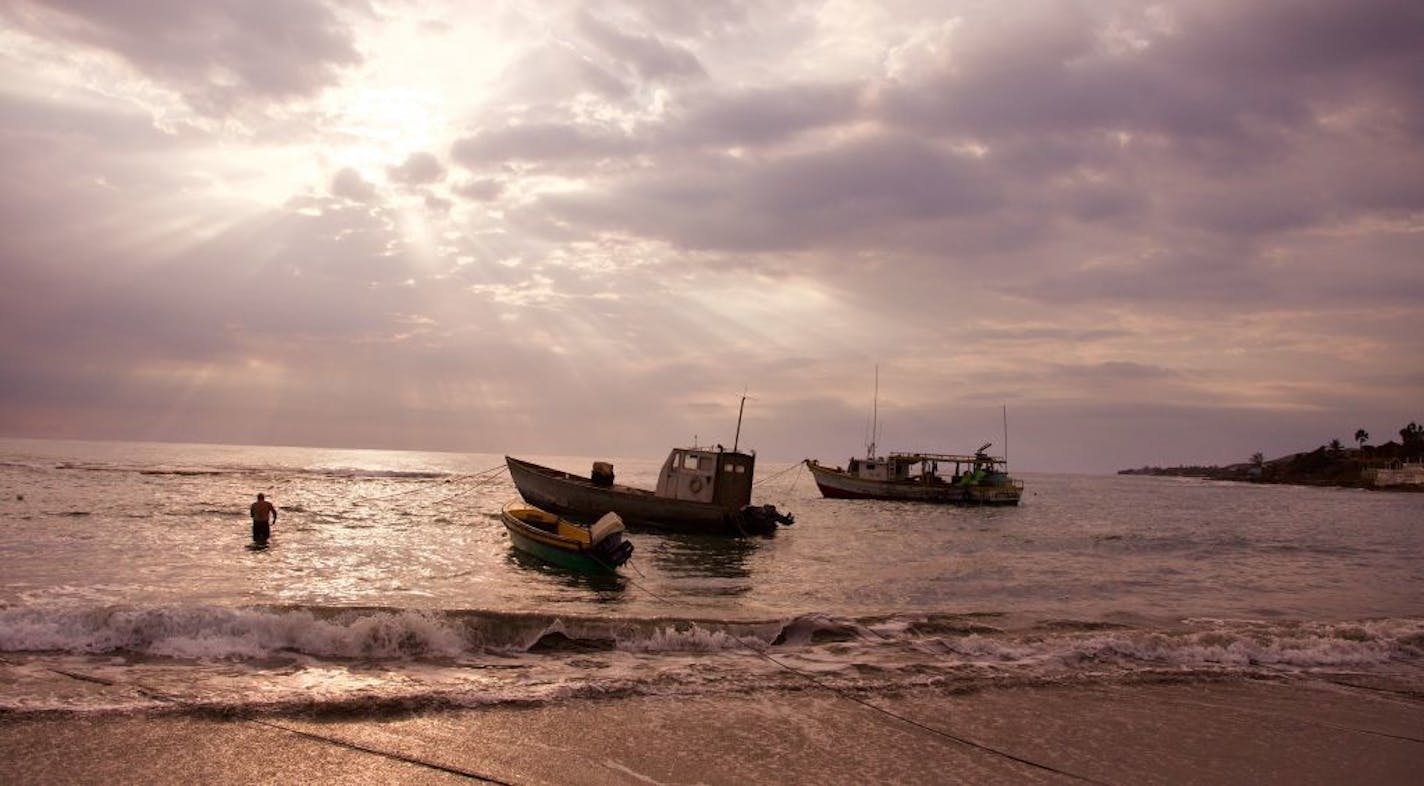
column 254, row 633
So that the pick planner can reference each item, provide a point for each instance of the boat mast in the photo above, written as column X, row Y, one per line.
column 1006, row 435
column 740, row 407
column 874, row 416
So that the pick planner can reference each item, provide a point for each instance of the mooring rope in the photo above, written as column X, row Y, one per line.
column 433, row 765
column 478, row 477
column 778, row 473
column 888, row 713
column 476, row 486
column 330, row 740
column 1409, row 694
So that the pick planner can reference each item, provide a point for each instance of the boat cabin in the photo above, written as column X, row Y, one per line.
column 891, row 469
column 925, row 468
column 713, row 475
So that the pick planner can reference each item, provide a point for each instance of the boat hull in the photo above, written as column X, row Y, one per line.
column 600, row 556
column 554, row 555
column 837, row 484
column 581, row 499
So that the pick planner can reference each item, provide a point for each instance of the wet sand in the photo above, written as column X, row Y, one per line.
column 1289, row 732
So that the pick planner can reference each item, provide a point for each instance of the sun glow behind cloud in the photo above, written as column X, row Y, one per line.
column 410, row 204
column 421, row 78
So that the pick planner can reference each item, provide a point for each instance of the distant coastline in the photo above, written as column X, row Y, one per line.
column 1392, row 466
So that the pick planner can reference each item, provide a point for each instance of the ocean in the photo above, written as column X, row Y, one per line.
column 127, row 585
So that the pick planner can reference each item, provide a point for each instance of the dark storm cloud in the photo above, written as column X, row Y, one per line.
column 215, row 53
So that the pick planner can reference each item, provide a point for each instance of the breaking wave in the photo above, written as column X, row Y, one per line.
column 253, row 633
column 376, row 660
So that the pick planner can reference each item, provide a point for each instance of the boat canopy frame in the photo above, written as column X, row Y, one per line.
column 956, row 458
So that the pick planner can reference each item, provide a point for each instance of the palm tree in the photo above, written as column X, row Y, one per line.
column 1413, row 437
column 1362, row 437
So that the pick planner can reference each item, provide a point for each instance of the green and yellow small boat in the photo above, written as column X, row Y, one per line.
column 591, row 548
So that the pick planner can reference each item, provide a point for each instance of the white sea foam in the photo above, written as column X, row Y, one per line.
column 693, row 639
column 397, row 564
column 216, row 633
column 1317, row 645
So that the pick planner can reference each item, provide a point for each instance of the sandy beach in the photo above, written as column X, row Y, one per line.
column 1288, row 732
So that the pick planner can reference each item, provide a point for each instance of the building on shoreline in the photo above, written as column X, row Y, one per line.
column 1396, row 473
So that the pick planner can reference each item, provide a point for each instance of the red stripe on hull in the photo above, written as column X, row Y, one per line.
column 835, row 492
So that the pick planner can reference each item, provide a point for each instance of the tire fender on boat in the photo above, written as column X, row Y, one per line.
column 695, row 485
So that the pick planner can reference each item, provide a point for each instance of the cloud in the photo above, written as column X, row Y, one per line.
column 1236, row 74
column 217, row 54
column 1174, row 226
column 857, row 192
column 549, row 74
column 764, row 115
column 418, row 169
column 650, row 57
column 348, row 184
column 480, row 189
column 540, row 143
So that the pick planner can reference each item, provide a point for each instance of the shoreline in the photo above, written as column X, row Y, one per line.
column 1291, row 731
column 1194, row 474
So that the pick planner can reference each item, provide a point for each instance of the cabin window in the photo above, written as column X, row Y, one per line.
column 689, row 461
column 741, row 469
column 727, row 467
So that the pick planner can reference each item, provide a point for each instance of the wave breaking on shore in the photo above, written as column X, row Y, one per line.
column 328, row 658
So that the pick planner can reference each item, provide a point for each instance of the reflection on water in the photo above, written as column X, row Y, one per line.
column 605, row 587
column 693, row 556
column 422, row 531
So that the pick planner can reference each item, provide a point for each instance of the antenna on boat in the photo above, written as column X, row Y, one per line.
column 740, row 408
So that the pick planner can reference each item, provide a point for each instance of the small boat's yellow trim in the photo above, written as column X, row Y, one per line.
column 570, row 531
column 545, row 527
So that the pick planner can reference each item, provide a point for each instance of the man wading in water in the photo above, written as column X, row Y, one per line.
column 264, row 515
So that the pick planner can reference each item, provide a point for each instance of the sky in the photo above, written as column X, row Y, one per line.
column 1136, row 233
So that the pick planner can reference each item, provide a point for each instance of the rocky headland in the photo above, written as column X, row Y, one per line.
column 1396, row 466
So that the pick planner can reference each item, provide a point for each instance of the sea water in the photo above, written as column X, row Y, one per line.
column 126, row 583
